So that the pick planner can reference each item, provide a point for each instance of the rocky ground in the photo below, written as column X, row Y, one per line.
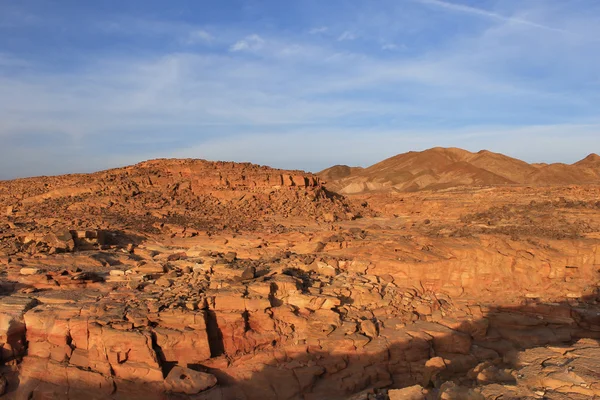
column 189, row 279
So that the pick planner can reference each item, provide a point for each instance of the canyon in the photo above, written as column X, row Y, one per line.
column 209, row 280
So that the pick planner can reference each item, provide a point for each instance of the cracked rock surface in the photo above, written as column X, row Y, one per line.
column 191, row 279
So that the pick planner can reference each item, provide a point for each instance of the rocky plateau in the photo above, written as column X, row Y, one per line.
column 177, row 279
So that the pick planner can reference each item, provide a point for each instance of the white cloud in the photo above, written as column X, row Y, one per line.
column 390, row 46
column 365, row 105
column 321, row 29
column 347, row 35
column 202, row 90
column 488, row 14
column 249, row 43
column 199, row 36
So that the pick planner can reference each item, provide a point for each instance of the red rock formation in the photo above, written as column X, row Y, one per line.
column 136, row 289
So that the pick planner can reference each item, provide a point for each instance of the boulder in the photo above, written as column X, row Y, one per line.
column 188, row 381
column 249, row 273
column 369, row 328
column 30, row 271
column 408, row 393
column 61, row 240
column 150, row 268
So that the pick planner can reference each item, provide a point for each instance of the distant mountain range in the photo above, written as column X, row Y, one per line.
column 441, row 168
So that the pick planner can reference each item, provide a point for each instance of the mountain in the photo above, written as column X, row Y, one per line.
column 591, row 161
column 440, row 168
column 338, row 172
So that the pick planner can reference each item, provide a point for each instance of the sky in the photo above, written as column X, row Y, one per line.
column 303, row 84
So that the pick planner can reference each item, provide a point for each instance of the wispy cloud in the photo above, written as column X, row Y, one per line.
column 488, row 14
column 347, row 35
column 199, row 36
column 390, row 46
column 251, row 42
column 470, row 87
column 318, row 30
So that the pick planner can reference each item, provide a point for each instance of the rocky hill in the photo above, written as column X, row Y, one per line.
column 184, row 197
column 440, row 168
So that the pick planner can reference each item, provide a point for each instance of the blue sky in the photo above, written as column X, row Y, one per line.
column 88, row 85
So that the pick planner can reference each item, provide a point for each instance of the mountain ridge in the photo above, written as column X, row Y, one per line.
column 439, row 168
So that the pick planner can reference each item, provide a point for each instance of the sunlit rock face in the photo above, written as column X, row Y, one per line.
column 193, row 279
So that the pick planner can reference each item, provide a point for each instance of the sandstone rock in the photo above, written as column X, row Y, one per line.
column 233, row 269
column 183, row 346
column 324, row 269
column 150, row 268
column 225, row 272
column 249, row 273
column 451, row 391
column 444, row 339
column 358, row 266
column 230, row 256
column 61, row 240
column 409, row 393
column 12, row 326
column 309, row 247
column 488, row 373
column 368, row 328
column 185, row 380
column 72, row 378
column 164, row 281
column 329, row 217
column 201, row 268
column 423, row 309
column 30, row 271
column 230, row 300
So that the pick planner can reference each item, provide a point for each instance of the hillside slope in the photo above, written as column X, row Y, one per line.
column 440, row 168
column 179, row 195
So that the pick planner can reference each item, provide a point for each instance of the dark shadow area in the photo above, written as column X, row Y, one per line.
column 382, row 363
column 119, row 238
column 215, row 336
column 8, row 288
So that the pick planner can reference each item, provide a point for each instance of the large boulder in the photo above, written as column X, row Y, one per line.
column 61, row 240
column 188, row 381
